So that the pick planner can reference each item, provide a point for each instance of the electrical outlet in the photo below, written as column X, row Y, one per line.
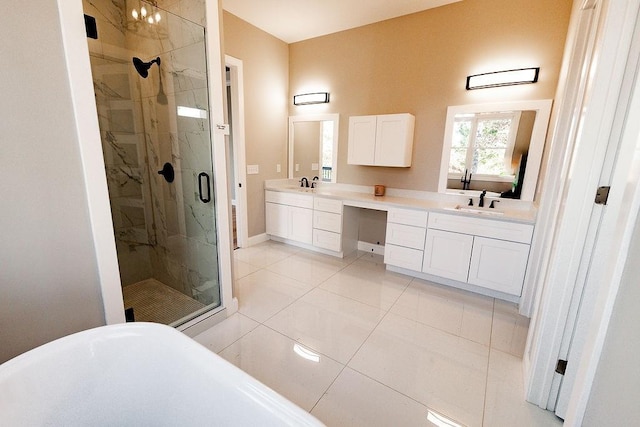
column 278, row 168
column 297, row 167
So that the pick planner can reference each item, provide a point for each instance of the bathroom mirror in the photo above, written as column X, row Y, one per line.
column 495, row 147
column 313, row 146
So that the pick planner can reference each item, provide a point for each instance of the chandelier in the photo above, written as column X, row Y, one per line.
column 147, row 13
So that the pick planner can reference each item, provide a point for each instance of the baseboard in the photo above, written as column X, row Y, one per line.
column 259, row 238
column 370, row 247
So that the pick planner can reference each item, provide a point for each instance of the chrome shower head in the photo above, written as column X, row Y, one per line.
column 143, row 67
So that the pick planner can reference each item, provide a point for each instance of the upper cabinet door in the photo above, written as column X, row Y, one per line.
column 362, row 140
column 394, row 140
column 384, row 140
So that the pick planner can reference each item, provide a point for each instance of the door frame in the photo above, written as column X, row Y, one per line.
column 591, row 100
column 239, row 154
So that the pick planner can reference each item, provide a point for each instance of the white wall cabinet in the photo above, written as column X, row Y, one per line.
column 382, row 140
column 289, row 216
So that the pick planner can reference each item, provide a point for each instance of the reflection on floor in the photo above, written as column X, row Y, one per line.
column 153, row 301
column 359, row 346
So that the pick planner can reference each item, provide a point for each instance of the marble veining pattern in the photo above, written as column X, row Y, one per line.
column 163, row 226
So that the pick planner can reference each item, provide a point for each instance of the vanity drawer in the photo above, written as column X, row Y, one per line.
column 402, row 257
column 290, row 199
column 327, row 221
column 327, row 205
column 326, row 240
column 405, row 235
column 408, row 217
column 503, row 230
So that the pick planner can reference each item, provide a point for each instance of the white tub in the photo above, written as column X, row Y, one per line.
column 136, row 374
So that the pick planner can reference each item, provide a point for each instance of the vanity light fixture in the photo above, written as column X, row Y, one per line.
column 311, row 98
column 503, row 78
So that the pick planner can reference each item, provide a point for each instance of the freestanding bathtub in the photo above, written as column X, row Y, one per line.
column 140, row 374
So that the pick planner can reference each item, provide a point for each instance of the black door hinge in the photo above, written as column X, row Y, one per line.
column 561, row 367
column 602, row 194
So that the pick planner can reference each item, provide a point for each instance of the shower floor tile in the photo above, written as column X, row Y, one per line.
column 153, row 301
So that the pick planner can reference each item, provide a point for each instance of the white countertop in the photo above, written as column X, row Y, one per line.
column 363, row 197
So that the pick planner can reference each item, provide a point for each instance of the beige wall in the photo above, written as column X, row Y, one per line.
column 266, row 90
column 49, row 278
column 419, row 63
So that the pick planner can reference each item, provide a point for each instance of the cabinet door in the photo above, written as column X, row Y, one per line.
column 362, row 140
column 394, row 140
column 405, row 235
column 277, row 219
column 301, row 224
column 399, row 256
column 498, row 265
column 447, row 254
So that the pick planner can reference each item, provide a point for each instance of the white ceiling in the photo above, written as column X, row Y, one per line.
column 296, row 20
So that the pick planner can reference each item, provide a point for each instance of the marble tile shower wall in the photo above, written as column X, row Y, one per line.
column 163, row 230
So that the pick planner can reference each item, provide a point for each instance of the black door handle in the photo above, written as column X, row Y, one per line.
column 204, row 199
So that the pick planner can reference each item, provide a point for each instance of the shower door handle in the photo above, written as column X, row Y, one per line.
column 204, row 197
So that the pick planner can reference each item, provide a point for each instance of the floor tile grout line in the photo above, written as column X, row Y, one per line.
column 486, row 380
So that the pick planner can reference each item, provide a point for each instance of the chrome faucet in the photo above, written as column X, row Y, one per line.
column 304, row 182
column 481, row 202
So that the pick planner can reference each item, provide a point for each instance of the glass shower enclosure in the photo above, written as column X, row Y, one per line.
column 150, row 79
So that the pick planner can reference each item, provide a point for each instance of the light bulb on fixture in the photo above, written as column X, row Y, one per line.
column 151, row 16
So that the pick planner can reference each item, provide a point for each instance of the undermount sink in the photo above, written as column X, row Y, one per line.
column 478, row 210
column 302, row 189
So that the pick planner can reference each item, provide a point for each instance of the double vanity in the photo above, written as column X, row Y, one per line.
column 431, row 236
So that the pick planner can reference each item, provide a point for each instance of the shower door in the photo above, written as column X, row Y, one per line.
column 150, row 80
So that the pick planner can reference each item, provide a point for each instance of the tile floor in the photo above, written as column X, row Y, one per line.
column 359, row 346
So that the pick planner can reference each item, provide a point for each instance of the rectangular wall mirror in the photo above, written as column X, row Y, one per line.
column 313, row 146
column 495, row 147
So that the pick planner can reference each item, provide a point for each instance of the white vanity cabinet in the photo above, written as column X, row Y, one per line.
column 327, row 224
column 382, row 140
column 406, row 231
column 488, row 253
column 289, row 216
column 447, row 254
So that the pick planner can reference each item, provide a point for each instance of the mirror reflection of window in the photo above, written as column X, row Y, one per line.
column 482, row 145
column 327, row 150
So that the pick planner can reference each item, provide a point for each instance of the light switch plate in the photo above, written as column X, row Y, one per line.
column 297, row 167
column 314, row 166
column 278, row 168
column 253, row 169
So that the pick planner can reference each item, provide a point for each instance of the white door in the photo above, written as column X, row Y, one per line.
column 447, row 254
column 498, row 265
column 301, row 224
column 362, row 140
column 588, row 240
column 393, row 147
column 277, row 219
column 235, row 100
